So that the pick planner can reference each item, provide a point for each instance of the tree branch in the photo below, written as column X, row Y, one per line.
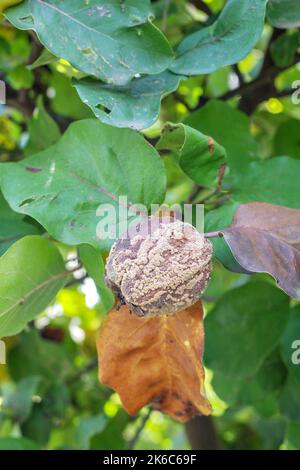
column 131, row 444
column 201, row 6
column 92, row 364
column 202, row 434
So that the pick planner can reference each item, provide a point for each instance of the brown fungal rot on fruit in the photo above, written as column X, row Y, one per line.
column 160, row 266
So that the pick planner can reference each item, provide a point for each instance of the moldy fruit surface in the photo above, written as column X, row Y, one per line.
column 160, row 266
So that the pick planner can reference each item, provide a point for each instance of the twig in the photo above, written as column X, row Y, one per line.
column 239, row 74
column 131, row 444
column 202, row 433
column 202, row 6
column 181, row 100
column 92, row 364
column 213, row 234
column 75, row 281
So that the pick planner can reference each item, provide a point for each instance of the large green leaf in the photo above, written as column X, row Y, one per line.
column 199, row 155
column 135, row 105
column 260, row 390
column 108, row 39
column 284, row 13
column 13, row 226
column 27, row 287
column 241, row 333
column 225, row 42
column 229, row 127
column 87, row 170
column 276, row 181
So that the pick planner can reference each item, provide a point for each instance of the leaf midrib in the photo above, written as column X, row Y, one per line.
column 212, row 39
column 30, row 293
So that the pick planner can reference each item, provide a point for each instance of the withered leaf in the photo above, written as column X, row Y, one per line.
column 266, row 238
column 156, row 361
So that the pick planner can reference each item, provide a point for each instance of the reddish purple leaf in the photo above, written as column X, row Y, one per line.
column 266, row 238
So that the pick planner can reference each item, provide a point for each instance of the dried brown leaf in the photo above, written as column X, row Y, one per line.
column 266, row 238
column 155, row 360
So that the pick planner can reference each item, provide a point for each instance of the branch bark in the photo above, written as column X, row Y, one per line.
column 202, row 6
column 201, row 433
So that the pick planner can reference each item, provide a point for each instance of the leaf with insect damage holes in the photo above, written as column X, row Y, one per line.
column 108, row 39
column 199, row 155
column 13, row 226
column 156, row 361
column 266, row 238
column 135, row 105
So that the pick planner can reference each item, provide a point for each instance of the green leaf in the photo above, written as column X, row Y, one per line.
column 20, row 77
column 238, row 332
column 229, row 127
column 13, row 226
column 290, row 344
column 46, row 413
column 271, row 432
column 283, row 50
column 225, row 42
column 45, row 58
column 276, row 181
column 89, row 427
column 17, row 443
column 32, row 355
column 20, row 16
column 216, row 220
column 200, row 157
column 72, row 107
column 260, row 390
column 292, row 437
column 110, row 40
column 27, row 287
column 284, row 13
column 88, row 169
column 218, row 82
column 112, row 436
column 135, row 105
column 39, row 425
column 19, row 403
column 93, row 263
column 286, row 141
column 289, row 400
column 43, row 130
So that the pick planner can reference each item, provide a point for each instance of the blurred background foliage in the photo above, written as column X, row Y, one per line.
column 50, row 396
